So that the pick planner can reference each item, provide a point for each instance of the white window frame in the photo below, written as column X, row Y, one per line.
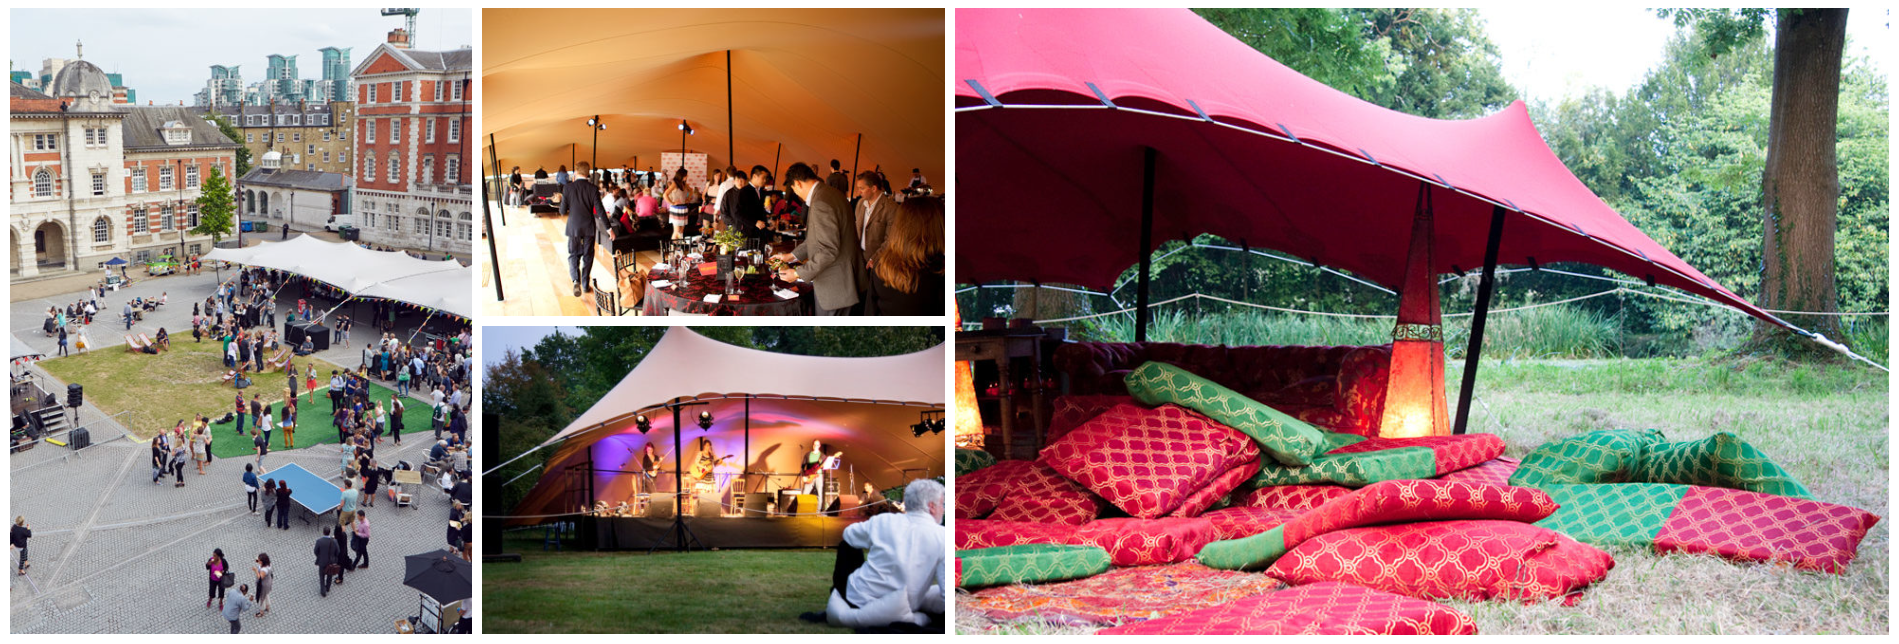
column 455, row 90
column 428, row 135
column 167, row 220
column 101, row 230
column 369, row 130
column 395, row 169
column 372, row 93
column 164, row 177
column 98, row 184
column 191, row 213
column 42, row 183
column 139, row 180
column 369, row 167
column 395, row 130
column 455, row 130
column 452, row 169
column 141, row 222
column 191, row 176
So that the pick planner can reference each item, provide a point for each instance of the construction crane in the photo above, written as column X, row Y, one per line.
column 409, row 15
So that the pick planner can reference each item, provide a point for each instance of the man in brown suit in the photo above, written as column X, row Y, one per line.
column 874, row 210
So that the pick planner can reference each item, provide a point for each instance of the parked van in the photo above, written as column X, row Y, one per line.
column 340, row 220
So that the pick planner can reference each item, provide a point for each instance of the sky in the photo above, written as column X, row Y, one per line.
column 497, row 340
column 124, row 41
column 1613, row 47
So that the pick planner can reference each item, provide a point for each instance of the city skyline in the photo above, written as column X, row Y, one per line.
column 173, row 79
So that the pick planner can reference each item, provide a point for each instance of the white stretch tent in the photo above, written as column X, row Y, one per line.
column 21, row 350
column 767, row 408
column 684, row 364
column 810, row 79
column 441, row 285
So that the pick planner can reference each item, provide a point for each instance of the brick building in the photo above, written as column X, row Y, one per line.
column 310, row 136
column 414, row 147
column 91, row 179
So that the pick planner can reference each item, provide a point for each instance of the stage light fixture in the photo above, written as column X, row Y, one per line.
column 643, row 423
column 932, row 422
column 685, row 127
column 705, row 420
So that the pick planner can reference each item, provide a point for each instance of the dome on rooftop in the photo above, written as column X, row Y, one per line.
column 81, row 79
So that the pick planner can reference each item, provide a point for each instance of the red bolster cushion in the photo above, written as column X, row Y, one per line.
column 1141, row 542
column 1292, row 497
column 1470, row 560
column 1236, row 522
column 981, row 533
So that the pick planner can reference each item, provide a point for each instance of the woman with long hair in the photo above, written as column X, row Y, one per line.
column 906, row 275
column 678, row 203
column 218, row 568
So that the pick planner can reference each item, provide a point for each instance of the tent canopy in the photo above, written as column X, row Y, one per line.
column 21, row 350
column 1249, row 150
column 811, row 79
column 862, row 406
column 394, row 275
column 684, row 364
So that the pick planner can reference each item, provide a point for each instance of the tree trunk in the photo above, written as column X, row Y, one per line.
column 1800, row 185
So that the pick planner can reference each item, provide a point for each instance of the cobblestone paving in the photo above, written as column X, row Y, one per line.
column 113, row 553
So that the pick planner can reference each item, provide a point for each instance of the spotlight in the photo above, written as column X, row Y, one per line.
column 593, row 121
column 932, row 422
column 705, row 420
column 685, row 127
column 643, row 423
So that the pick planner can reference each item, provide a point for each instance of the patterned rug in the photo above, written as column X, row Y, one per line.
column 1120, row 596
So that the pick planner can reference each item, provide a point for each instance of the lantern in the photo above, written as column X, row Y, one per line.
column 969, row 431
column 1414, row 392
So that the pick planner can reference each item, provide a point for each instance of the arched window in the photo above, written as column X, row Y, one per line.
column 101, row 230
column 369, row 167
column 395, row 169
column 42, row 183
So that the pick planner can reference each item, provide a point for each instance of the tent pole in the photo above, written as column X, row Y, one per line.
column 494, row 160
column 494, row 259
column 679, row 468
column 775, row 157
column 1147, row 244
column 1476, row 348
column 745, row 470
column 731, row 158
column 856, row 155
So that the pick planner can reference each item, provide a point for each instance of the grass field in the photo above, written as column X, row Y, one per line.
column 730, row 591
column 1826, row 424
column 156, row 391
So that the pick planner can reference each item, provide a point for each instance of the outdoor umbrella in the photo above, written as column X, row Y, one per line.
column 116, row 261
column 439, row 574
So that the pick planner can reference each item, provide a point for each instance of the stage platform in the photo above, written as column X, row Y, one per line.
column 618, row 533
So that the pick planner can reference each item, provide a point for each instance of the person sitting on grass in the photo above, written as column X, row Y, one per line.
column 889, row 570
column 163, row 341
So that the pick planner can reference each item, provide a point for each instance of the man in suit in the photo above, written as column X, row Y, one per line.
column 580, row 202
column 838, row 180
column 327, row 553
column 874, row 210
column 741, row 208
column 830, row 252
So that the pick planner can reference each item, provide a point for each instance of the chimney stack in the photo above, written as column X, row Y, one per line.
column 399, row 38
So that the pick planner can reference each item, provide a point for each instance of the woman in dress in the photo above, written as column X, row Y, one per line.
column 679, row 198
column 199, row 448
column 261, row 568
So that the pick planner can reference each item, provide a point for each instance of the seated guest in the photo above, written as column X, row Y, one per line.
column 163, row 341
column 306, row 348
column 906, row 274
column 890, row 567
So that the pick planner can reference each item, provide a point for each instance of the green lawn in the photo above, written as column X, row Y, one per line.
column 727, row 591
column 313, row 420
column 1827, row 424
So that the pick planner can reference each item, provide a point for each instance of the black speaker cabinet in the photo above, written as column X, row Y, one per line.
column 755, row 503
column 79, row 438
column 708, row 505
column 75, row 395
column 660, row 506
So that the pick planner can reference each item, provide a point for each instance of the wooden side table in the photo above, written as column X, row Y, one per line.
column 1005, row 347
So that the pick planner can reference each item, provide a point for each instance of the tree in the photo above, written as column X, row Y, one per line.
column 230, row 132
column 215, row 207
column 1800, row 183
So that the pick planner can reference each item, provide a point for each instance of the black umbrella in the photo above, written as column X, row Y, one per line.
column 439, row 574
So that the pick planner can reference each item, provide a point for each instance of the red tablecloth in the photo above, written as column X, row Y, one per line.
column 755, row 297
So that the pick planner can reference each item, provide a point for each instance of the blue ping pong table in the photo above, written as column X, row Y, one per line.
column 314, row 493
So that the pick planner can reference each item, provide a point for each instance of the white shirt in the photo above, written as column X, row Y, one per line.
column 904, row 554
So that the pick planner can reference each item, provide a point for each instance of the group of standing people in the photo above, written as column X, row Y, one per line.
column 185, row 442
column 868, row 255
column 222, row 575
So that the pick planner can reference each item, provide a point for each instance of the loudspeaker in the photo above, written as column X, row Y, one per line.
column 79, row 438
column 660, row 506
column 75, row 395
column 708, row 505
column 755, row 504
column 804, row 503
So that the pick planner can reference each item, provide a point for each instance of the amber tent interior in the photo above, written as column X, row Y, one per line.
column 811, row 80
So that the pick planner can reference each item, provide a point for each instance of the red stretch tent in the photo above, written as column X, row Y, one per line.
column 1249, row 150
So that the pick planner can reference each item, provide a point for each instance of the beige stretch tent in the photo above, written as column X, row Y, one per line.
column 811, row 79
column 863, row 406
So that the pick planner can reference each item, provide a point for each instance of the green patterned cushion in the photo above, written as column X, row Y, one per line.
column 1256, row 551
column 1605, row 456
column 1721, row 460
column 1287, row 439
column 1028, row 563
column 970, row 460
column 1612, row 514
column 1355, row 469
column 1335, row 440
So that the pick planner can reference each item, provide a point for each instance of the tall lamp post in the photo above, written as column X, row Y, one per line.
column 596, row 125
column 684, row 129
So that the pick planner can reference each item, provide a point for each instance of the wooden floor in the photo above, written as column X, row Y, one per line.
column 533, row 254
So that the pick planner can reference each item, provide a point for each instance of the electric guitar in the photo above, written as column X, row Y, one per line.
column 812, row 471
column 654, row 472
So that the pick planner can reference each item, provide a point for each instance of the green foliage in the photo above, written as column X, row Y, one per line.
column 216, row 211
column 1548, row 332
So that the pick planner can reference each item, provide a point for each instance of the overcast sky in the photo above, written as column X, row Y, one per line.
column 167, row 54
column 497, row 340
column 1552, row 51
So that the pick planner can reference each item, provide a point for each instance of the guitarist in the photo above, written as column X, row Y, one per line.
column 649, row 468
column 814, row 463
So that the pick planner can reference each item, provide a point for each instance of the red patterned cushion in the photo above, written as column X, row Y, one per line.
column 1236, row 522
column 1216, row 489
column 1420, row 500
column 980, row 533
column 1072, row 411
column 1292, row 497
column 1315, row 609
column 1752, row 526
column 1453, row 453
column 1472, row 560
column 1148, row 461
column 1495, row 471
column 978, row 492
column 1141, row 542
column 1037, row 494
